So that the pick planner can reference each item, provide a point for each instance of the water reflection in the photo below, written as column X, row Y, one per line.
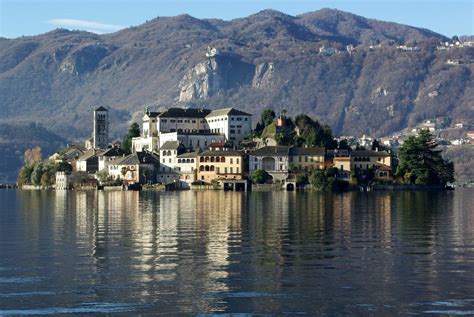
column 263, row 252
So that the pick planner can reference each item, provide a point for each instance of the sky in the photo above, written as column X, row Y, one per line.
column 31, row 17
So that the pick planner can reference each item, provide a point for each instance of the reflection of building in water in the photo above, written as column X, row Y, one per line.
column 218, row 220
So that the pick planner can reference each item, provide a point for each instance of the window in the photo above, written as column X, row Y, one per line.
column 232, row 119
column 246, row 119
column 231, row 161
column 169, row 160
column 194, row 121
column 232, row 131
column 237, row 170
column 237, row 161
column 180, row 121
column 231, row 170
column 164, row 120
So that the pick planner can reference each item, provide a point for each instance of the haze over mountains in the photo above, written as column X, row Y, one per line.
column 268, row 59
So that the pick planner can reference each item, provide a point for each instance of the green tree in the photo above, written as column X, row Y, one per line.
column 48, row 178
column 133, row 132
column 267, row 117
column 301, row 179
column 64, row 167
column 36, row 174
column 260, row 176
column 324, row 180
column 24, row 176
column 421, row 163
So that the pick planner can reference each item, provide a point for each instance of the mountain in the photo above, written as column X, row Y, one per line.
column 269, row 59
column 15, row 139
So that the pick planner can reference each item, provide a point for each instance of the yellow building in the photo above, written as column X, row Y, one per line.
column 307, row 158
column 343, row 165
column 220, row 165
column 364, row 160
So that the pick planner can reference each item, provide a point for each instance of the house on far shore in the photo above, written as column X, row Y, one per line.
column 275, row 160
column 220, row 165
column 88, row 161
column 136, row 168
column 109, row 155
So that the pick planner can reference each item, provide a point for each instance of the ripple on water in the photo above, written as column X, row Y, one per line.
column 83, row 309
column 20, row 280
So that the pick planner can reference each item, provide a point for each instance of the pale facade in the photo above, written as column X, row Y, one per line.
column 193, row 127
column 192, row 140
column 364, row 160
column 234, row 124
column 275, row 160
column 307, row 158
column 220, row 165
column 139, row 167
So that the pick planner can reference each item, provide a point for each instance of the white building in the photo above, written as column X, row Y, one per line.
column 192, row 140
column 108, row 156
column 275, row 160
column 193, row 127
column 233, row 123
column 63, row 180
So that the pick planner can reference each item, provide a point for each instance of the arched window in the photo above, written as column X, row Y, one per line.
column 201, row 168
column 212, row 159
column 212, row 168
column 218, row 159
column 188, row 161
column 207, row 168
column 201, row 159
column 207, row 159
column 222, row 159
column 179, row 160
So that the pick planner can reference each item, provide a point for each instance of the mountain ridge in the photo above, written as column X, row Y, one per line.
column 63, row 74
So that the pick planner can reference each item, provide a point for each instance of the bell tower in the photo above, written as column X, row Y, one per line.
column 101, row 128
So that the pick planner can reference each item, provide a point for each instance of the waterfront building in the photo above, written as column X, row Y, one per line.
column 275, row 160
column 108, row 156
column 187, row 167
column 218, row 165
column 138, row 167
column 88, row 161
column 63, row 181
column 307, row 158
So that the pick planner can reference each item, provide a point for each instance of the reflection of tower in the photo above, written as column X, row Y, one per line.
column 101, row 128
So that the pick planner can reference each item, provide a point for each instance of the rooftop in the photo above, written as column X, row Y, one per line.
column 307, row 151
column 184, row 113
column 279, row 150
column 138, row 158
column 227, row 111
column 221, row 153
column 170, row 145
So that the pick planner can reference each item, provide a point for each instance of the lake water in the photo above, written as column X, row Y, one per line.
column 212, row 253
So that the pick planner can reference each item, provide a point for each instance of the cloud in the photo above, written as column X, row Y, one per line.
column 90, row 26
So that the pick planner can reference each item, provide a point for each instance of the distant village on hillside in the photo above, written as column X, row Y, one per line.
column 190, row 148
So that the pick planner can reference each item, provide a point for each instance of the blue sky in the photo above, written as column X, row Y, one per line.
column 30, row 17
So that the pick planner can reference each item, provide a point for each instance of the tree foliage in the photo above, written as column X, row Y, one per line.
column 312, row 133
column 33, row 155
column 133, row 132
column 325, row 179
column 266, row 118
column 421, row 163
column 260, row 176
